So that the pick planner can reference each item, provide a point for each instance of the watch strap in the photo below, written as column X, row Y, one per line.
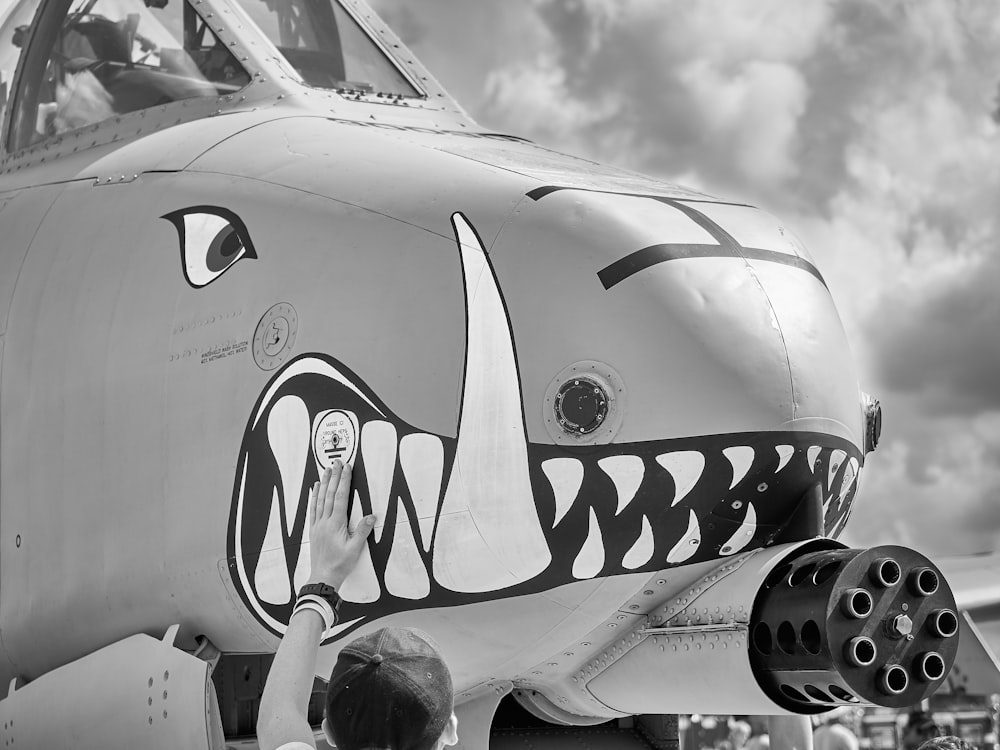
column 323, row 591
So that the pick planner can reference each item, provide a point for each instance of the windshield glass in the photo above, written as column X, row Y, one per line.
column 91, row 60
column 328, row 48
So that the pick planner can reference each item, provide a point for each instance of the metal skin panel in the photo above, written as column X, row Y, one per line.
column 368, row 165
column 20, row 214
column 114, row 376
column 630, row 676
column 138, row 692
column 709, row 360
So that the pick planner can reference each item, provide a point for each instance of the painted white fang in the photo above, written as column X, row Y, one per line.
column 785, row 453
column 405, row 574
column 422, row 458
column 309, row 365
column 850, row 477
column 361, row 585
column 566, row 476
column 688, row 544
column 488, row 535
column 742, row 536
column 741, row 459
column 686, row 468
column 811, row 455
column 303, row 566
column 288, row 436
column 271, row 575
column 590, row 559
column 640, row 552
column 378, row 449
column 836, row 460
column 627, row 473
column 241, row 561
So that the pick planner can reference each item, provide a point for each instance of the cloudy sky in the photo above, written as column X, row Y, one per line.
column 865, row 124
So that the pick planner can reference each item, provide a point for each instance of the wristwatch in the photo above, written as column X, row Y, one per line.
column 323, row 591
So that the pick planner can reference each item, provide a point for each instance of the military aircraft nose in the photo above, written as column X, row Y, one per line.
column 712, row 315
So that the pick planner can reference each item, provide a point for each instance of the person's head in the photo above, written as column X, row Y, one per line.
column 946, row 742
column 391, row 689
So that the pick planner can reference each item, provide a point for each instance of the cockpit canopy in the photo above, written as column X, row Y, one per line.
column 327, row 46
column 86, row 61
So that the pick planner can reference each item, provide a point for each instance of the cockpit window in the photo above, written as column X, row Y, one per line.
column 93, row 59
column 328, row 48
column 14, row 24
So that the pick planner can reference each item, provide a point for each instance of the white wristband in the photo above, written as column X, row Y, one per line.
column 318, row 605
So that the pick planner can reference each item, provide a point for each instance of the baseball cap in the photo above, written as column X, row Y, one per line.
column 389, row 689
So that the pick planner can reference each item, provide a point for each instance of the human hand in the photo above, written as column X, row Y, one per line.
column 334, row 548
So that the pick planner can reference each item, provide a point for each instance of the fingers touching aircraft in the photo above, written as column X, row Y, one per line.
column 610, row 427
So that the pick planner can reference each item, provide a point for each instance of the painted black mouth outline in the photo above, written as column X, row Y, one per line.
column 720, row 510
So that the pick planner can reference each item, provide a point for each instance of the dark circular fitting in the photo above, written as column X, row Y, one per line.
column 860, row 651
column 930, row 666
column 924, row 581
column 581, row 406
column 893, row 679
column 885, row 572
column 943, row 623
column 857, row 603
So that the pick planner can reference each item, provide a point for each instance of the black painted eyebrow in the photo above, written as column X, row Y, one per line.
column 649, row 256
column 728, row 247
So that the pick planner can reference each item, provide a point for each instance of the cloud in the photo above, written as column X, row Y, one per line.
column 938, row 494
column 939, row 336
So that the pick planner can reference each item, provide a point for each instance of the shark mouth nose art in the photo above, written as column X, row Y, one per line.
column 487, row 514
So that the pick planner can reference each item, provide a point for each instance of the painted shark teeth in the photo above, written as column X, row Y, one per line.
column 361, row 585
column 640, row 553
column 850, row 476
column 742, row 536
column 741, row 459
column 590, row 559
column 785, row 453
column 270, row 577
column 405, row 573
column 378, row 448
column 566, row 477
column 627, row 473
column 836, row 459
column 422, row 458
column 688, row 544
column 303, row 566
column 288, row 435
column 811, row 455
column 488, row 535
column 309, row 365
column 685, row 467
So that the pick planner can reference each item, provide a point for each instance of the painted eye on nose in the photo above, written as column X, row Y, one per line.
column 212, row 240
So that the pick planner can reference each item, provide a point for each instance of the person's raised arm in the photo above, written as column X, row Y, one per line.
column 334, row 550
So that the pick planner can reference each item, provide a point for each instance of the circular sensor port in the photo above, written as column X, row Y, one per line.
column 584, row 404
column 581, row 405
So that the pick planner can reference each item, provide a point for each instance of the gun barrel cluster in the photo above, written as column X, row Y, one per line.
column 842, row 627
